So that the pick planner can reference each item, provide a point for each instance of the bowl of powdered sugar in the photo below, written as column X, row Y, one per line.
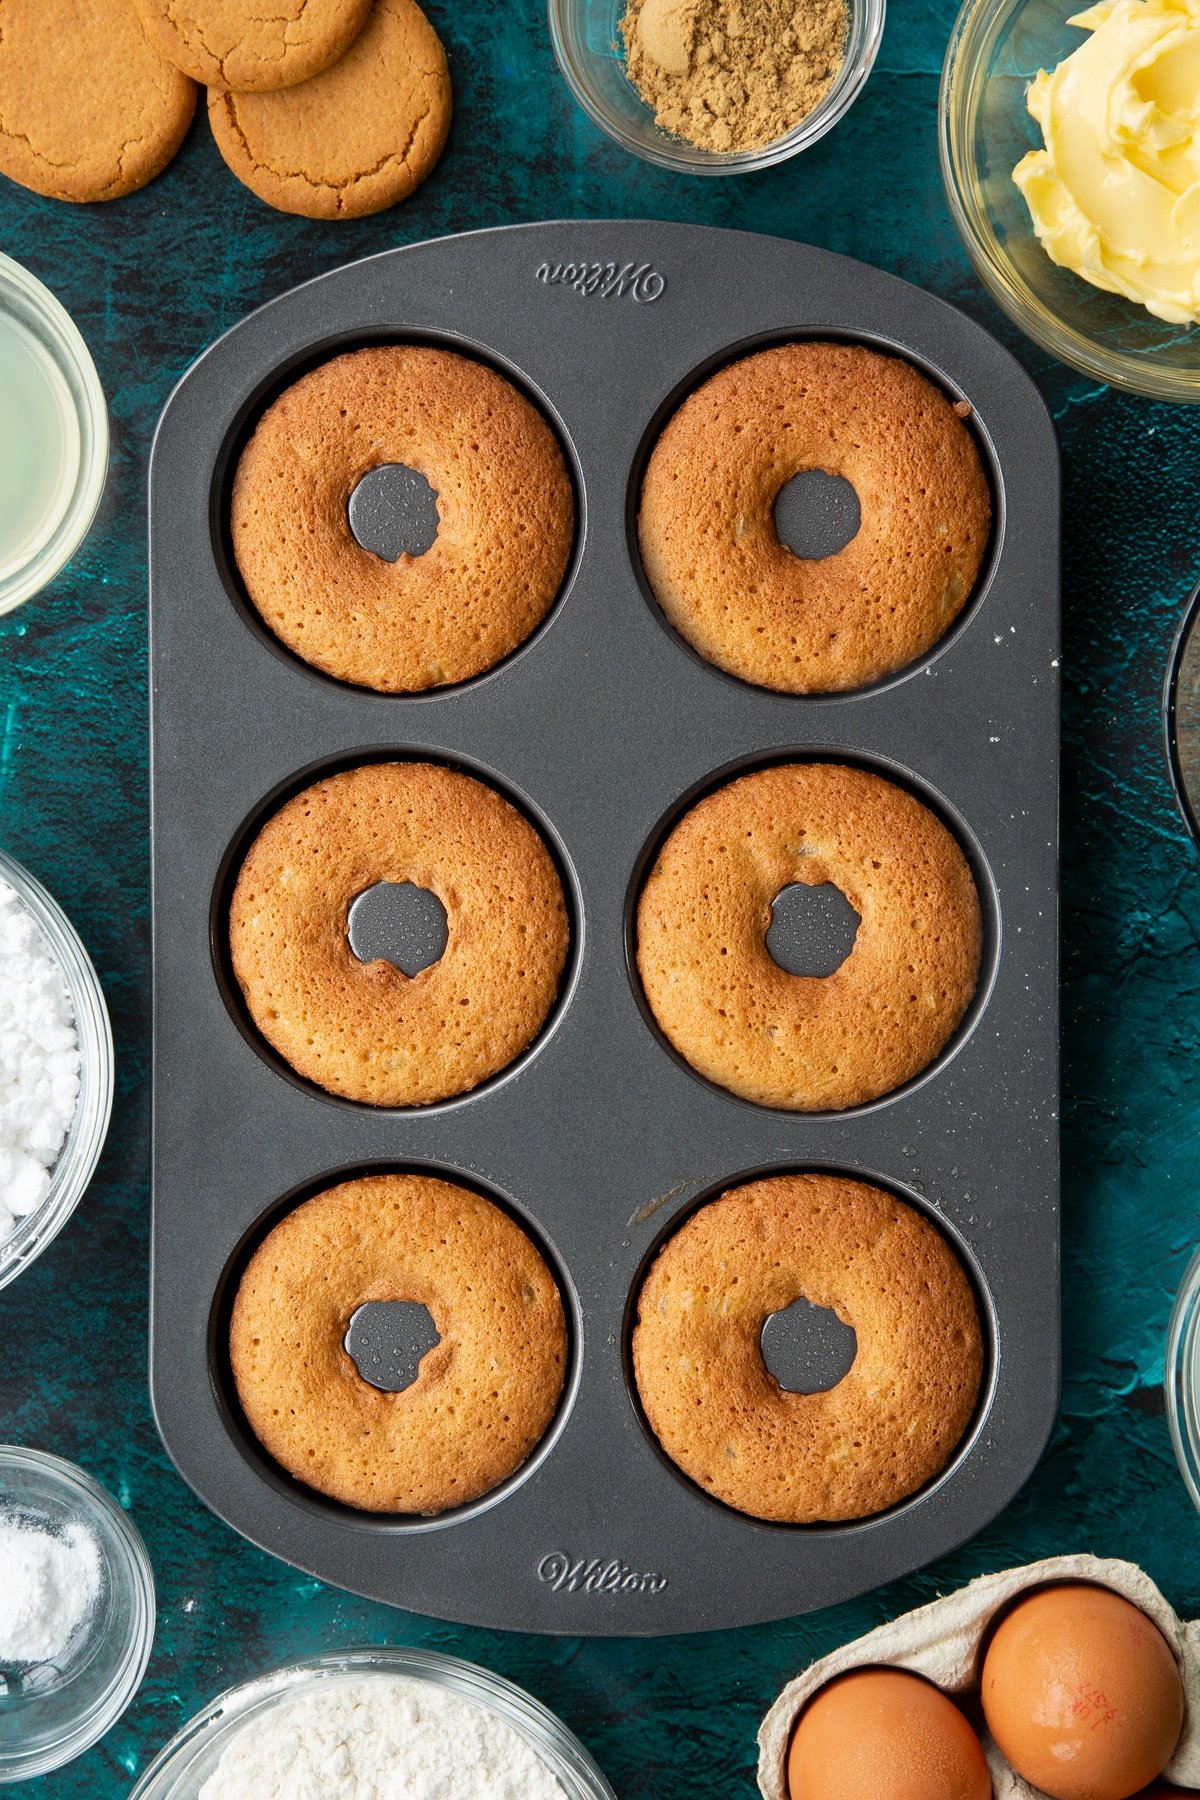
column 56, row 1069
column 394, row 1724
column 76, row 1612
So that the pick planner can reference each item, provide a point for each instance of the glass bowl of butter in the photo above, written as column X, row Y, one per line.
column 1070, row 148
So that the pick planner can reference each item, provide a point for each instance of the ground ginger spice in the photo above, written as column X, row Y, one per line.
column 733, row 74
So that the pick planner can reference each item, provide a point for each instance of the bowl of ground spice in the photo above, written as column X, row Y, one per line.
column 716, row 87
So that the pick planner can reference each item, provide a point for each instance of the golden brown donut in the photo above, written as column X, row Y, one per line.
column 804, row 1042
column 707, row 529
column 890, row 1425
column 366, row 1030
column 483, row 1396
column 506, row 524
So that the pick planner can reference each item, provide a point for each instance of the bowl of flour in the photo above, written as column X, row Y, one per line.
column 56, row 1069
column 375, row 1724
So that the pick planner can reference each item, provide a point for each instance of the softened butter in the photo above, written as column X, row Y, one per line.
column 1115, row 193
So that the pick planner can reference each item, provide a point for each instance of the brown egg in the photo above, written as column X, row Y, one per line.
column 881, row 1732
column 1082, row 1694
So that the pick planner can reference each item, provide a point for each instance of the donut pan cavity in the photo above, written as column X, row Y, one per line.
column 600, row 726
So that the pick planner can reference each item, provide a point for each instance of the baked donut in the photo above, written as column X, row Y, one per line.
column 889, row 1426
column 707, row 528
column 802, row 1042
column 506, row 518
column 366, row 1030
column 483, row 1396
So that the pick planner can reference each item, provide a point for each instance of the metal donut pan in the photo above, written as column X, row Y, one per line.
column 1181, row 716
column 602, row 726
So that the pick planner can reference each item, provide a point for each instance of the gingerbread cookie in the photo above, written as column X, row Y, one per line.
column 353, row 140
column 88, row 108
column 251, row 48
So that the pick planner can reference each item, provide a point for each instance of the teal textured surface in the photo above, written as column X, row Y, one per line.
column 151, row 280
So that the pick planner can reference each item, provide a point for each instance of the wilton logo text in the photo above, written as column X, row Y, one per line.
column 564, row 1574
column 639, row 281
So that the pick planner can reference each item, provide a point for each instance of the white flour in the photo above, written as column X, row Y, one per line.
column 49, row 1583
column 380, row 1737
column 39, row 1062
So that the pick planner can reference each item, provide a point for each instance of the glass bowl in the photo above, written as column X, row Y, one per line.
column 50, row 1714
column 85, row 1138
column 996, row 49
column 43, row 354
column 587, row 42
column 1181, row 1378
column 180, row 1770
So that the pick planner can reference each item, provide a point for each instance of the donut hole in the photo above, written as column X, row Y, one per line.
column 817, row 514
column 386, row 1340
column 400, row 923
column 807, row 1348
column 812, row 929
column 393, row 512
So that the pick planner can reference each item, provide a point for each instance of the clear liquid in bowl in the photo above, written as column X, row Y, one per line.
column 39, row 446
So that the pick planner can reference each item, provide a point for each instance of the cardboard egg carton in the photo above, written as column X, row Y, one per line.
column 944, row 1642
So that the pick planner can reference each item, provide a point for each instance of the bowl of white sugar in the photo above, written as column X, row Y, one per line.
column 76, row 1612
column 56, row 1069
column 394, row 1723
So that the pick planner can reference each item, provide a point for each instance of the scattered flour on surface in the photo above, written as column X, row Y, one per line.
column 49, row 1584
column 39, row 1062
column 382, row 1737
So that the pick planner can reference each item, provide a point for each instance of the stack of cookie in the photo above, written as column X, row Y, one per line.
column 328, row 108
